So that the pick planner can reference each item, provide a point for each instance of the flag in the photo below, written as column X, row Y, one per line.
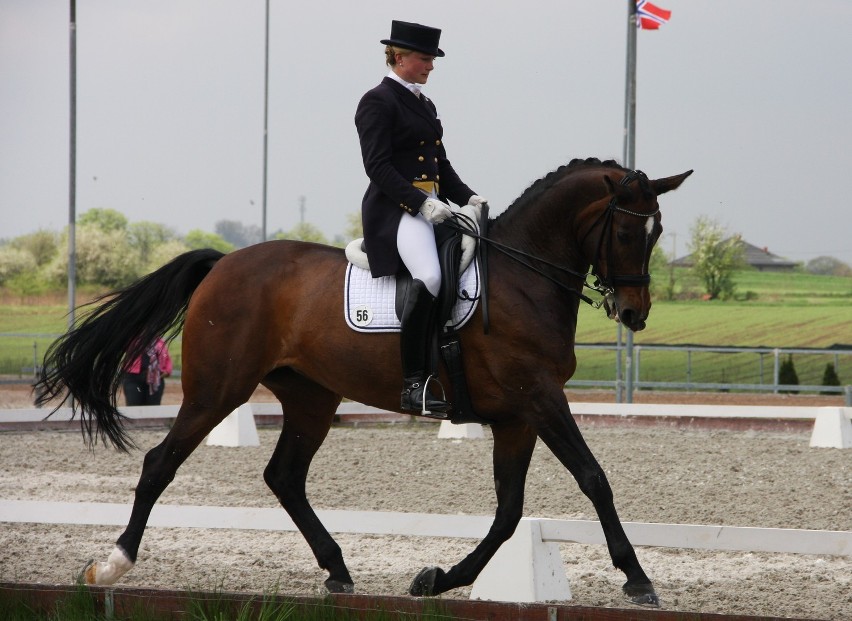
column 649, row 16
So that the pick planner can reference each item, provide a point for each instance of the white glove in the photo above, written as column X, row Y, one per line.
column 477, row 200
column 435, row 211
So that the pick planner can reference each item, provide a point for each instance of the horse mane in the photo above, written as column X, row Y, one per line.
column 537, row 188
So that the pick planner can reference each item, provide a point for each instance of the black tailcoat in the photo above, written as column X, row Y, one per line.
column 401, row 142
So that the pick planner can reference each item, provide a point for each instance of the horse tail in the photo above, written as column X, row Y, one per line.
column 89, row 359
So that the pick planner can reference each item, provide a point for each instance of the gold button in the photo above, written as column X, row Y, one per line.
column 421, row 158
column 402, row 205
column 438, row 142
column 437, row 177
column 422, row 142
column 424, row 176
column 436, row 159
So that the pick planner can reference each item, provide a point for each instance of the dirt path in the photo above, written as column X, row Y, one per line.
column 658, row 474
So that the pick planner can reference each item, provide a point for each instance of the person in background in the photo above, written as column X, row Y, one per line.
column 143, row 379
column 411, row 181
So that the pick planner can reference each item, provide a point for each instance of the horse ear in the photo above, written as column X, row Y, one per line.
column 661, row 186
column 621, row 192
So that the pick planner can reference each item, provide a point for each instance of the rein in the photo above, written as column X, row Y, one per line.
column 520, row 256
column 603, row 286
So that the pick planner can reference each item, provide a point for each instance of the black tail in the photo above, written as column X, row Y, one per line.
column 88, row 360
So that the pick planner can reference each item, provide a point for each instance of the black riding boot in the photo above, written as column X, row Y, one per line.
column 415, row 344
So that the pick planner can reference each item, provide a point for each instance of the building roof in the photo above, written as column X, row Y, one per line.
column 753, row 255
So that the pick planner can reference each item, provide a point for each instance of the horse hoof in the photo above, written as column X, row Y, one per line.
column 641, row 595
column 649, row 600
column 423, row 584
column 83, row 576
column 336, row 586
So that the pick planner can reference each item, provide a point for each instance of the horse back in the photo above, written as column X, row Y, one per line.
column 280, row 305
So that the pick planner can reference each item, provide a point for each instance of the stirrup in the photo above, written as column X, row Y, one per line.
column 429, row 413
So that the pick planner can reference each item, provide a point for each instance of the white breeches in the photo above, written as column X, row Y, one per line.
column 415, row 241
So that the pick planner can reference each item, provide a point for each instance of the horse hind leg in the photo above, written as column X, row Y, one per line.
column 191, row 426
column 308, row 413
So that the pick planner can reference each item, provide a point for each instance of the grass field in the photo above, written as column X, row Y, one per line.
column 789, row 310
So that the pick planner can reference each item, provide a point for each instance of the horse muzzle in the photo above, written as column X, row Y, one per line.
column 631, row 313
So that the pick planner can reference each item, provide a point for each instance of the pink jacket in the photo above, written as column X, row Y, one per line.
column 163, row 358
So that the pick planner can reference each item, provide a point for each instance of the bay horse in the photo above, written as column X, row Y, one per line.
column 272, row 314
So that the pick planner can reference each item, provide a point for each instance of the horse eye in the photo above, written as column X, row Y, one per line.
column 623, row 237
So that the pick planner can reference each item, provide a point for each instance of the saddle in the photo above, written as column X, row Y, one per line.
column 456, row 253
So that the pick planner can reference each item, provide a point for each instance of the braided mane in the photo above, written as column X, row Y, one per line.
column 537, row 188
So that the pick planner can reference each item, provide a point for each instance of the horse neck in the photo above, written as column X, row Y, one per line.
column 548, row 227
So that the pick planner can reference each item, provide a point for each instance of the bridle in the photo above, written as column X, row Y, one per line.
column 609, row 283
column 604, row 286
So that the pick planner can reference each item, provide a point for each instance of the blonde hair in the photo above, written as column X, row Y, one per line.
column 390, row 54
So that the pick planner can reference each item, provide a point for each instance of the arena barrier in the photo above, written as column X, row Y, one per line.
column 832, row 426
column 527, row 568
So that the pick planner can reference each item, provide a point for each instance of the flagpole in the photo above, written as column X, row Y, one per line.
column 629, row 158
column 630, row 89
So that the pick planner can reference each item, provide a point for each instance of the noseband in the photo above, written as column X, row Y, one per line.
column 609, row 282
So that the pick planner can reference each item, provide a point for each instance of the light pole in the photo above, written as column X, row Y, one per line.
column 265, row 122
column 72, row 165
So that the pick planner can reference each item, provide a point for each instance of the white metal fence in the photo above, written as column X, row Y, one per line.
column 738, row 369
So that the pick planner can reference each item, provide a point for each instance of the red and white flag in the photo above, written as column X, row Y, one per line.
column 650, row 16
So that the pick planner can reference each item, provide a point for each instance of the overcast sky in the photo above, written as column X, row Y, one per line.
column 756, row 96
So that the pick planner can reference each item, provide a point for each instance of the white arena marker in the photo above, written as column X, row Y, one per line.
column 472, row 431
column 525, row 569
column 832, row 428
column 238, row 429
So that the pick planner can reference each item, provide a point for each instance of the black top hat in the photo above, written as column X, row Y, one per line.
column 415, row 37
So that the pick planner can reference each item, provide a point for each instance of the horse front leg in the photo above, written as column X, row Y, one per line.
column 563, row 438
column 513, row 448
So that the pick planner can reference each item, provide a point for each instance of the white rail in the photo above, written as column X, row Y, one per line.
column 773, row 412
column 686, row 536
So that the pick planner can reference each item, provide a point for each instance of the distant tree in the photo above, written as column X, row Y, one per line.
column 829, row 376
column 787, row 375
column 304, row 231
column 28, row 283
column 163, row 253
column 197, row 239
column 43, row 245
column 146, row 236
column 238, row 234
column 662, row 274
column 828, row 266
column 715, row 257
column 104, row 258
column 15, row 262
column 104, row 219
column 354, row 227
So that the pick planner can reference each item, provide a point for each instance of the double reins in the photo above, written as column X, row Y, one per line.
column 522, row 257
column 604, row 286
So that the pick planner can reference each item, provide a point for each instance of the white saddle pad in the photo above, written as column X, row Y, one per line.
column 370, row 303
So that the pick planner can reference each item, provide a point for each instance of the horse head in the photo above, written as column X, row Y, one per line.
column 626, row 225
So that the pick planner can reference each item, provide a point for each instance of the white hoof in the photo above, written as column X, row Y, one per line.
column 109, row 572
